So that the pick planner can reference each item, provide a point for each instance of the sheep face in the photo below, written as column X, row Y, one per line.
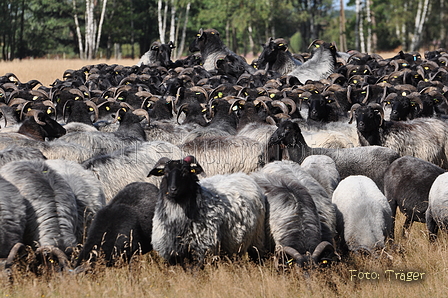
column 41, row 126
column 179, row 177
column 205, row 38
column 288, row 134
column 368, row 118
column 270, row 51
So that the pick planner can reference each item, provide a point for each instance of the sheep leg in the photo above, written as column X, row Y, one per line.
column 407, row 226
column 12, row 254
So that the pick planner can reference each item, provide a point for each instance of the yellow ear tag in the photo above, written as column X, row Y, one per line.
column 91, row 109
column 193, row 171
column 77, row 97
column 355, row 81
column 107, row 108
column 160, row 171
column 212, row 32
column 403, row 93
column 198, row 35
column 29, row 109
column 35, row 97
column 124, row 109
column 220, row 94
column 317, row 46
column 324, row 262
column 49, row 111
column 426, row 67
column 204, row 110
column 235, row 108
column 272, row 95
column 119, row 118
column 280, row 44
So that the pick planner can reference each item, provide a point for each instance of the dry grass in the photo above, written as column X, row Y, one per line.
column 149, row 277
column 47, row 71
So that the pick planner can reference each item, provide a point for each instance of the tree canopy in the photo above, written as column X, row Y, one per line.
column 126, row 28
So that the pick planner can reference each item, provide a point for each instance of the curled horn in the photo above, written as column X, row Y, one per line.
column 39, row 93
column 366, row 98
column 126, row 105
column 321, row 247
column 263, row 103
column 292, row 103
column 391, row 96
column 378, row 107
column 281, row 105
column 17, row 101
column 75, row 91
column 56, row 252
column 94, row 107
column 12, row 254
column 180, row 111
column 152, row 98
column 142, row 112
column 233, row 101
column 202, row 90
column 297, row 256
column 349, row 93
column 35, row 114
column 352, row 110
column 27, row 103
column 415, row 97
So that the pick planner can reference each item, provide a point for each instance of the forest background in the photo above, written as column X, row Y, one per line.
column 98, row 29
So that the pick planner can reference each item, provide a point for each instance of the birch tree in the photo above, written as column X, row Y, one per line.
column 420, row 19
column 93, row 29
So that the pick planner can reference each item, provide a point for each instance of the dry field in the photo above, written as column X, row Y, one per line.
column 47, row 71
column 417, row 269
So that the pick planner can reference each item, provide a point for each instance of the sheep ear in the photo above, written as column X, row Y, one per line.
column 157, row 172
column 197, row 169
column 201, row 32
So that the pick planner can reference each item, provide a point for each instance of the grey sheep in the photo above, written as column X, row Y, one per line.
column 363, row 214
column 437, row 212
column 87, row 189
column 323, row 169
column 221, row 214
column 52, row 211
column 130, row 164
column 295, row 226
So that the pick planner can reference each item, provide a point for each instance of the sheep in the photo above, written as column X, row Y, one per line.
column 276, row 57
column 52, row 212
column 425, row 138
column 88, row 191
column 12, row 220
column 319, row 66
column 323, row 169
column 320, row 197
column 437, row 212
column 14, row 152
column 128, row 164
column 287, row 142
column 132, row 210
column 225, row 154
column 211, row 47
column 220, row 214
column 158, row 54
column 296, row 213
column 364, row 217
column 407, row 183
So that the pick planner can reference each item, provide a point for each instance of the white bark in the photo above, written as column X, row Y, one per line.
column 78, row 32
column 420, row 19
column 100, row 26
column 180, row 49
column 160, row 21
column 173, row 22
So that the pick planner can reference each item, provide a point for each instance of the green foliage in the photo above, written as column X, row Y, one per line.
column 46, row 27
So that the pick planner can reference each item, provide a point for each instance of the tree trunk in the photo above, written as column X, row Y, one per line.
column 342, row 35
column 100, row 26
column 173, row 22
column 160, row 22
column 78, row 33
column 180, row 49
column 420, row 19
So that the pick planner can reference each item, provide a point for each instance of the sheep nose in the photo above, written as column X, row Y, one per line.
column 173, row 189
column 361, row 125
